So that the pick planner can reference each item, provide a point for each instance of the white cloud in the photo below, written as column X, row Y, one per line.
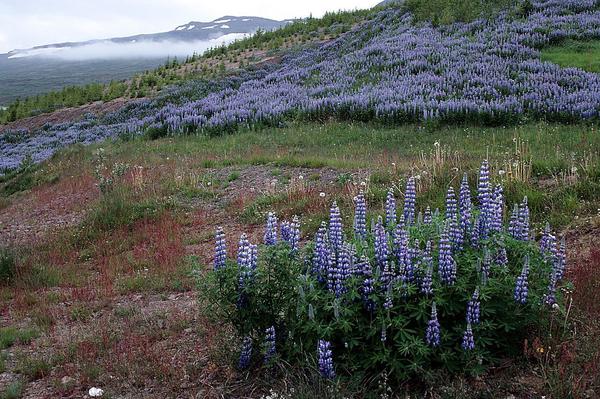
column 27, row 23
column 144, row 49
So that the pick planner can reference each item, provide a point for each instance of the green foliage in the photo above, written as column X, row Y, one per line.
column 7, row 266
column 285, row 293
column 13, row 390
column 71, row 96
column 577, row 54
column 442, row 12
column 11, row 335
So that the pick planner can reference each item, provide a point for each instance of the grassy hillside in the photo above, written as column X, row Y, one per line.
column 212, row 64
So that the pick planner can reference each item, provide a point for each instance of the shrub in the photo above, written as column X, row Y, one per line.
column 388, row 300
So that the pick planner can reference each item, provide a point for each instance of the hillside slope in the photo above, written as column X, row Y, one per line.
column 389, row 70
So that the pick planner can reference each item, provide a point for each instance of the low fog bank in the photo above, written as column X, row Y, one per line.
column 107, row 50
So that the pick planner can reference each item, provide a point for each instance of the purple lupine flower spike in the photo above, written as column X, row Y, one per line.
column 465, row 205
column 427, row 281
column 381, row 243
column 474, row 308
column 451, row 204
column 390, row 209
column 360, row 216
column 522, row 285
column 336, row 237
column 321, row 254
column 560, row 260
column 410, row 199
column 270, row 344
column 468, row 341
column 524, row 220
column 447, row 265
column 220, row 250
column 325, row 356
column 497, row 209
column 484, row 196
column 271, row 229
column 246, row 353
column 432, row 334
column 427, row 218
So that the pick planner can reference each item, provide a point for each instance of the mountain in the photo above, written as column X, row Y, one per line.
column 40, row 69
column 229, row 27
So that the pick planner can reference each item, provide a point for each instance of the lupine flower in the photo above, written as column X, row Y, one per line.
column 522, row 285
column 336, row 237
column 524, row 221
column 550, row 296
column 220, row 249
column 381, row 243
column 501, row 255
column 409, row 266
column 497, row 209
column 432, row 334
column 271, row 229
column 290, row 233
column 321, row 254
column 561, row 260
column 325, row 360
column 476, row 232
column 486, row 265
column 427, row 218
column 427, row 281
column 389, row 297
column 246, row 353
column 410, row 201
column 270, row 346
column 484, row 196
column 447, row 265
column 367, row 287
column 342, row 272
column 514, row 225
column 451, row 204
column 545, row 241
column 390, row 209
column 383, row 337
column 468, row 341
column 400, row 241
column 360, row 216
column 473, row 308
column 456, row 234
column 465, row 205
column 242, row 254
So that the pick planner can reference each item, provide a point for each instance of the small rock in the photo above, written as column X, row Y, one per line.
column 95, row 392
column 590, row 393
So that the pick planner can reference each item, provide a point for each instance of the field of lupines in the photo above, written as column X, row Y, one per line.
column 388, row 69
column 407, row 294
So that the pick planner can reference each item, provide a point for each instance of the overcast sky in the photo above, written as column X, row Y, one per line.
column 28, row 23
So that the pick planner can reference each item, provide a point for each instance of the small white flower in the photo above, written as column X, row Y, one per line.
column 300, row 177
column 363, row 183
column 437, row 144
column 394, row 164
column 501, row 172
column 555, row 306
column 95, row 392
column 322, row 195
column 209, row 184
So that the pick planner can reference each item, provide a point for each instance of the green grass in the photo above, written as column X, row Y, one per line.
column 441, row 12
column 577, row 54
column 14, row 390
column 10, row 336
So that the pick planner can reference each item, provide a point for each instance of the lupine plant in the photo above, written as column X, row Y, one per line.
column 401, row 299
